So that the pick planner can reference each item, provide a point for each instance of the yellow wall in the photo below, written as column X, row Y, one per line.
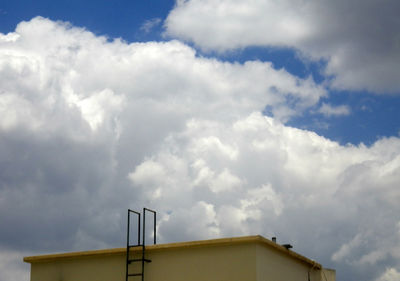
column 240, row 259
column 104, row 268
column 328, row 274
column 273, row 264
column 217, row 263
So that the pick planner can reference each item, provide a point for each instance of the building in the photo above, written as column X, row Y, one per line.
column 250, row 258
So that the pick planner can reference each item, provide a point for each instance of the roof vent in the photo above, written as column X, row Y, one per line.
column 287, row 246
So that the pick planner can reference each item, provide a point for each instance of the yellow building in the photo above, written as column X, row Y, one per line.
column 251, row 258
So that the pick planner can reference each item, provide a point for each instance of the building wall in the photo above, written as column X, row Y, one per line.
column 247, row 261
column 216, row 263
column 328, row 274
column 103, row 268
column 219, row 263
column 275, row 265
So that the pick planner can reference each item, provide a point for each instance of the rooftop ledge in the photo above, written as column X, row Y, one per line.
column 180, row 245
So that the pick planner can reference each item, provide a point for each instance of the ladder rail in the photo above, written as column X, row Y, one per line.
column 154, row 224
column 142, row 245
column 128, row 246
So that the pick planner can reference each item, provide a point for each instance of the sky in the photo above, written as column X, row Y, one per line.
column 228, row 118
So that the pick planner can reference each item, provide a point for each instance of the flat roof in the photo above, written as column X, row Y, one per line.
column 180, row 245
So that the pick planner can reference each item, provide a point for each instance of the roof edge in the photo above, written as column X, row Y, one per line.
column 183, row 245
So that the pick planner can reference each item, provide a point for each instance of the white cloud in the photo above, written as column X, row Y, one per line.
column 93, row 127
column 291, row 181
column 391, row 274
column 96, row 106
column 213, row 144
column 361, row 46
column 346, row 249
column 10, row 265
column 329, row 110
column 174, row 225
column 148, row 25
column 148, row 174
column 263, row 195
column 225, row 181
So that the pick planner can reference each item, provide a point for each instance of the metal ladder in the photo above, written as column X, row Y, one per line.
column 142, row 245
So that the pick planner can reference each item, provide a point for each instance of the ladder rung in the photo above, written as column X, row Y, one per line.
column 136, row 260
column 135, row 274
column 133, row 246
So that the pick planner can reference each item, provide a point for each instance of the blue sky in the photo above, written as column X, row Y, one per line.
column 229, row 118
column 111, row 18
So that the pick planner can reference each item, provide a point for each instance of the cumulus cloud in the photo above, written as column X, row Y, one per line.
column 291, row 183
column 360, row 45
column 391, row 274
column 91, row 127
column 329, row 110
